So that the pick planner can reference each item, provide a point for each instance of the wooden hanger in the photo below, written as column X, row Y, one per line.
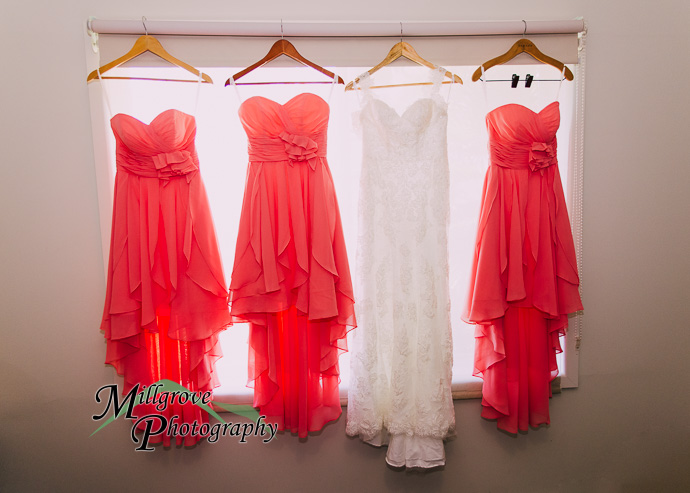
column 283, row 47
column 147, row 43
column 404, row 50
column 523, row 45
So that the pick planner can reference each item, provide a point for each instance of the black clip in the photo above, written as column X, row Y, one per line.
column 516, row 79
column 528, row 80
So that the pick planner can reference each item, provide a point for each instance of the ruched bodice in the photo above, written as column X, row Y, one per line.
column 291, row 278
column 293, row 132
column 522, row 139
column 304, row 114
column 162, row 149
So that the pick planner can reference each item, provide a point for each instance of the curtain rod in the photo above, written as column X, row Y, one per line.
column 334, row 29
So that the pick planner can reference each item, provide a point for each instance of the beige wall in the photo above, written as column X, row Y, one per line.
column 626, row 427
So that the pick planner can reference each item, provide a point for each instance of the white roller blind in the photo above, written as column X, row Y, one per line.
column 222, row 51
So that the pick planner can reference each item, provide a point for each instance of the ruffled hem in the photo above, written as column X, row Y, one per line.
column 149, row 357
column 291, row 282
column 141, row 359
column 290, row 245
column 516, row 358
column 166, row 300
column 524, row 253
column 410, row 451
column 524, row 283
column 294, row 369
column 183, row 362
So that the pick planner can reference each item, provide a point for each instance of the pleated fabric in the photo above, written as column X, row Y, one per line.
column 166, row 299
column 291, row 278
column 524, row 280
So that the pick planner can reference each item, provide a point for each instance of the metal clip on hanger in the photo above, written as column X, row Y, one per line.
column 522, row 45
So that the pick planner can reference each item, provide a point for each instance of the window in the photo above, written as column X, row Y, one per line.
column 221, row 145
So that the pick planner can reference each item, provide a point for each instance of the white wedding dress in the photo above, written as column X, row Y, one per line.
column 402, row 352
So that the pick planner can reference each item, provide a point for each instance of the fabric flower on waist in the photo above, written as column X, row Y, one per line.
column 541, row 155
column 176, row 163
column 300, row 148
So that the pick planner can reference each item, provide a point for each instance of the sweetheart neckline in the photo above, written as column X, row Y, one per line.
column 409, row 106
column 154, row 118
column 286, row 102
column 402, row 116
column 525, row 107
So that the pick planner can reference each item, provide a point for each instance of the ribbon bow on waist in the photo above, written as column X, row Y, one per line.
column 541, row 155
column 176, row 163
column 300, row 148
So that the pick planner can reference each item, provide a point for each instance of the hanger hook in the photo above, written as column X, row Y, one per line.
column 281, row 29
column 401, row 33
column 143, row 21
column 524, row 31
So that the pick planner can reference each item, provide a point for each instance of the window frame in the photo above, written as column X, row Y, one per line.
column 470, row 387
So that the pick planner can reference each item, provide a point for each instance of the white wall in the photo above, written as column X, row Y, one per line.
column 626, row 427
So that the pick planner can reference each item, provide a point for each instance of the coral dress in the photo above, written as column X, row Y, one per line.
column 166, row 299
column 524, row 278
column 291, row 278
